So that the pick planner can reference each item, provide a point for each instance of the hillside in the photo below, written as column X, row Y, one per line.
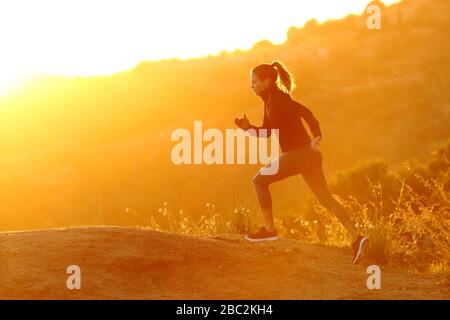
column 129, row 263
column 94, row 146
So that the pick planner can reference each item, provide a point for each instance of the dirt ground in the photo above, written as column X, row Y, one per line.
column 131, row 263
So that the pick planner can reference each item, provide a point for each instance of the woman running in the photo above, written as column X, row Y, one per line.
column 300, row 154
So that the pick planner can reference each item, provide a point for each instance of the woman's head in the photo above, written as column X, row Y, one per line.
column 274, row 74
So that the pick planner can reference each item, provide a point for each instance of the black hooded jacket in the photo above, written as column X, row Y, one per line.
column 283, row 113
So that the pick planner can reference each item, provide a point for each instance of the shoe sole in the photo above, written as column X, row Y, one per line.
column 263, row 239
column 361, row 250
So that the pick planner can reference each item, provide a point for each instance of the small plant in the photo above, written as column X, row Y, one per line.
column 405, row 214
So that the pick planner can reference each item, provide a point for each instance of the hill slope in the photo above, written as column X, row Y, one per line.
column 129, row 263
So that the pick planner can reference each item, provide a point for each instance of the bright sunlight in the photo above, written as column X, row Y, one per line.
column 105, row 36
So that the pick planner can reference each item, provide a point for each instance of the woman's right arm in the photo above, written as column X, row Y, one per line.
column 256, row 130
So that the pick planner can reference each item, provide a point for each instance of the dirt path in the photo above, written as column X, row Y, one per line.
column 130, row 263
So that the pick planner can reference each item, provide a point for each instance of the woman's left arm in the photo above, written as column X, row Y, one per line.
column 297, row 109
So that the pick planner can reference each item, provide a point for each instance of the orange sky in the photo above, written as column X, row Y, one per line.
column 100, row 37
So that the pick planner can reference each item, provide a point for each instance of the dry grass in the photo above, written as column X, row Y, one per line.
column 409, row 227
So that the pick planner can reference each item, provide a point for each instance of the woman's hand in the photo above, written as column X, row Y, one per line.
column 315, row 142
column 242, row 123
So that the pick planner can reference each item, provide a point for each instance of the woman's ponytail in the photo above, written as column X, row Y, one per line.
column 287, row 80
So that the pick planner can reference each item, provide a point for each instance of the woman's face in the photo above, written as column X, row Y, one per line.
column 257, row 84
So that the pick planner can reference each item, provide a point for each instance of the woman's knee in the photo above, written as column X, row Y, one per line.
column 260, row 180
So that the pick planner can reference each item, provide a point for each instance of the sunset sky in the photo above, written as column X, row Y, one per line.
column 100, row 37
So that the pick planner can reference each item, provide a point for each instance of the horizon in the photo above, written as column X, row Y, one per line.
column 74, row 49
column 180, row 179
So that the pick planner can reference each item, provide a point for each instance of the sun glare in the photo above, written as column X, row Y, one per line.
column 103, row 37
